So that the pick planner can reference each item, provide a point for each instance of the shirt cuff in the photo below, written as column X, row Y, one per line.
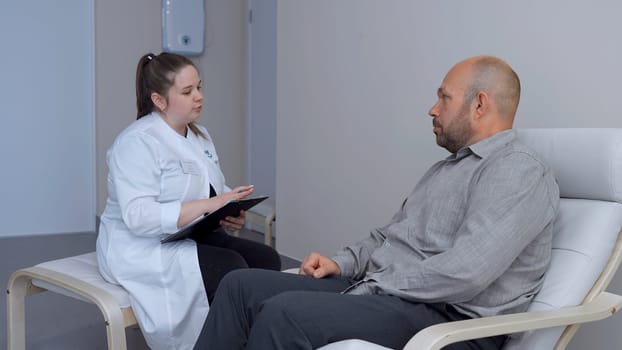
column 345, row 264
column 169, row 214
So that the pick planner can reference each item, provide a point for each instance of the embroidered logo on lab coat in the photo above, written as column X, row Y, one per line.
column 210, row 156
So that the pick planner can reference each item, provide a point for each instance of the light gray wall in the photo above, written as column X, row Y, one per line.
column 223, row 68
column 355, row 79
column 262, row 98
column 124, row 31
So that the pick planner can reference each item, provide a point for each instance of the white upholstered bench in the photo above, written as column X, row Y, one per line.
column 77, row 277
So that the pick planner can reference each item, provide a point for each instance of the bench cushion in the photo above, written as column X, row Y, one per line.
column 83, row 267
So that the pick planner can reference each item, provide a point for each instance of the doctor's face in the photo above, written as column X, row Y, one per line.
column 451, row 113
column 184, row 98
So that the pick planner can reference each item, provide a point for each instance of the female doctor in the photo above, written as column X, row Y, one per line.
column 163, row 174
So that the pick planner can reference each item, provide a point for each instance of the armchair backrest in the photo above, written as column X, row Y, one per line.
column 586, row 244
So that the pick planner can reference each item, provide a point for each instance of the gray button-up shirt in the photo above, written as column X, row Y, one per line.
column 475, row 232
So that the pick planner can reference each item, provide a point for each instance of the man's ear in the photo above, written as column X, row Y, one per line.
column 159, row 101
column 482, row 104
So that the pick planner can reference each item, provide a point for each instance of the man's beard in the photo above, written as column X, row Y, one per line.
column 455, row 135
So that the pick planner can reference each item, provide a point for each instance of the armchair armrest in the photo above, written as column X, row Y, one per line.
column 437, row 336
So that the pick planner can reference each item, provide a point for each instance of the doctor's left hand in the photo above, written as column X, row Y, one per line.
column 234, row 224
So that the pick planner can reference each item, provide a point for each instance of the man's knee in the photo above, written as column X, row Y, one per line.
column 235, row 278
column 285, row 303
column 283, row 322
column 242, row 279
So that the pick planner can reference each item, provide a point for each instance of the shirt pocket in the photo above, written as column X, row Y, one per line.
column 174, row 181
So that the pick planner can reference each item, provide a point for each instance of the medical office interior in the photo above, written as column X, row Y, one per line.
column 321, row 104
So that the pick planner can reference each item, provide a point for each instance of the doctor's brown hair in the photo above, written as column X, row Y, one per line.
column 156, row 73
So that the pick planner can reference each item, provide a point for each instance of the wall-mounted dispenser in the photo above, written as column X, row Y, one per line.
column 183, row 26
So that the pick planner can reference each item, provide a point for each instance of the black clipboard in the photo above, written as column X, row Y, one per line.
column 211, row 221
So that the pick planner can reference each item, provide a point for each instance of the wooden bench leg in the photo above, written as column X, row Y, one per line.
column 268, row 229
column 19, row 287
column 116, row 334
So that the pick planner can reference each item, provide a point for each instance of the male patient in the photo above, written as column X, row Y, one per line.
column 472, row 239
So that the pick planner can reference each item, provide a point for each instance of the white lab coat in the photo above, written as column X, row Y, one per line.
column 152, row 170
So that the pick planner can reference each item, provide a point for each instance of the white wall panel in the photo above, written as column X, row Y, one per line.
column 47, row 182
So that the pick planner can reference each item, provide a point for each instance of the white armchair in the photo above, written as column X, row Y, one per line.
column 586, row 249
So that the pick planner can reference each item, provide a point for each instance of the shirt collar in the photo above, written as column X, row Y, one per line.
column 487, row 146
column 167, row 127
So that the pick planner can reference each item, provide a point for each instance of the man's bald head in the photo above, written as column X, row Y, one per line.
column 495, row 77
column 477, row 99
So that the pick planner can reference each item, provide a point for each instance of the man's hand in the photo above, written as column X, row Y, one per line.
column 319, row 266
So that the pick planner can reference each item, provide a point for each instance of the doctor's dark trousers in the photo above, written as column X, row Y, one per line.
column 219, row 253
column 261, row 309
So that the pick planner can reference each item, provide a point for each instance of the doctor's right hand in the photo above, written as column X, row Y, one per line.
column 191, row 210
column 224, row 198
column 241, row 192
